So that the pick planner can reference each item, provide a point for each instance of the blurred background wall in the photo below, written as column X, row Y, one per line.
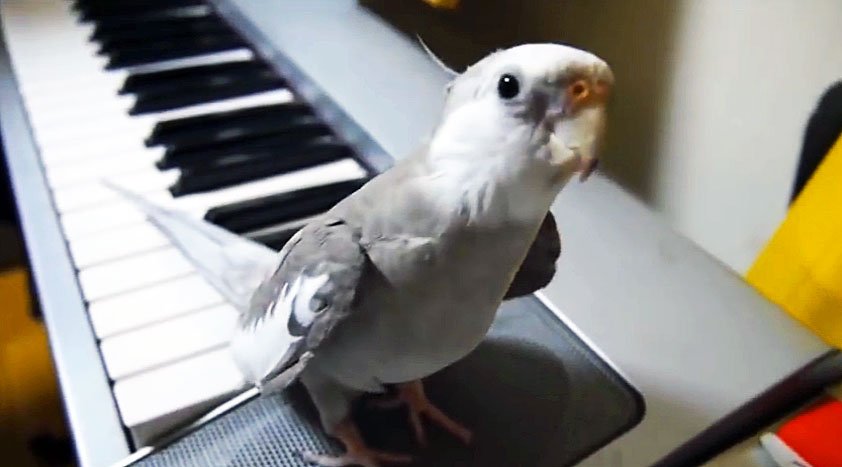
column 712, row 95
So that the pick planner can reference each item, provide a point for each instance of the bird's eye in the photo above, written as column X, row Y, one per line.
column 508, row 87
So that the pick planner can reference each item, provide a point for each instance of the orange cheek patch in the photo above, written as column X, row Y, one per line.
column 578, row 94
column 579, row 90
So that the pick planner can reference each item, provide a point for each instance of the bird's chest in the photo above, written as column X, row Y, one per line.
column 447, row 310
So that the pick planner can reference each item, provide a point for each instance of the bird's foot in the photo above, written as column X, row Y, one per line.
column 413, row 396
column 356, row 451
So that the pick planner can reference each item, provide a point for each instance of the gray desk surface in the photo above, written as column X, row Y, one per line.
column 688, row 333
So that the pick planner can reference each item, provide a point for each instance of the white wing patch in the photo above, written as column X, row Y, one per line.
column 301, row 305
column 260, row 350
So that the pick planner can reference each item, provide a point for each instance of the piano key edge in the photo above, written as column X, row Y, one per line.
column 369, row 153
column 91, row 411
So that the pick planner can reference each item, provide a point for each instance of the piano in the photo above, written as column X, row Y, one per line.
column 258, row 115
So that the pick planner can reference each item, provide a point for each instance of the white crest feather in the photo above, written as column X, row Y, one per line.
column 436, row 59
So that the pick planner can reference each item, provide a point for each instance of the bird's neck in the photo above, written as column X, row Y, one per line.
column 491, row 194
column 479, row 164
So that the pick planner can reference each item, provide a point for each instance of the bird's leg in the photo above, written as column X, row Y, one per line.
column 412, row 394
column 356, row 451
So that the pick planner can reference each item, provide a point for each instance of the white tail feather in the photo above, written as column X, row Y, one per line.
column 232, row 264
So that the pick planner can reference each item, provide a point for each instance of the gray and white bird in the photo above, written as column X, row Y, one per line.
column 404, row 277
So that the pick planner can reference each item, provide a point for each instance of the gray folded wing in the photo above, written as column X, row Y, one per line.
column 312, row 290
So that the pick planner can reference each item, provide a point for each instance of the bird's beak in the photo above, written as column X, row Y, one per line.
column 586, row 167
column 582, row 125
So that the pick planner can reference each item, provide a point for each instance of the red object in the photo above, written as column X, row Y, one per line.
column 816, row 434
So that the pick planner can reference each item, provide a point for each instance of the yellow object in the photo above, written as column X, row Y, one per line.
column 801, row 267
column 29, row 398
column 448, row 4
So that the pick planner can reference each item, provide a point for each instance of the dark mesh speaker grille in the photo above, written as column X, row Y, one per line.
column 534, row 394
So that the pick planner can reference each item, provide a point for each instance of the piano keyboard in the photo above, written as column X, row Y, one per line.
column 165, row 99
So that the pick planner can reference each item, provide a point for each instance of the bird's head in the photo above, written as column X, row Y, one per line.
column 531, row 105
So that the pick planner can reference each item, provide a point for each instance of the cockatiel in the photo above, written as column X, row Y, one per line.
column 404, row 277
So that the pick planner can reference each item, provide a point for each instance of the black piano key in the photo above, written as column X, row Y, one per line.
column 227, row 143
column 284, row 207
column 156, row 92
column 208, row 155
column 99, row 11
column 137, row 26
column 167, row 127
column 143, row 15
column 172, row 49
column 206, row 90
column 247, row 167
column 121, row 4
column 129, row 6
column 193, row 78
column 157, row 81
column 274, row 239
column 160, row 29
column 240, row 128
column 224, row 138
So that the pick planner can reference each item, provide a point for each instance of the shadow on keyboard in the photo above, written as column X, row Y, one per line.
column 533, row 393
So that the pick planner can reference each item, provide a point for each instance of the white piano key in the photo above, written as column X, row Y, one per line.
column 95, row 77
column 54, row 26
column 73, row 129
column 107, row 146
column 76, row 57
column 74, row 70
column 74, row 48
column 342, row 170
column 84, row 102
column 54, row 133
column 29, row 62
column 40, row 26
column 92, row 99
column 29, row 21
column 31, row 66
column 95, row 169
column 144, row 181
column 111, row 118
column 110, row 79
column 61, row 139
column 296, row 224
column 277, row 96
column 153, row 304
column 132, row 273
column 80, row 223
column 85, row 97
column 169, row 341
column 85, row 195
column 75, row 52
column 213, row 58
column 151, row 403
column 117, row 243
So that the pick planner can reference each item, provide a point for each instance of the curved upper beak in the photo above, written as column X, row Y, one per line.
column 587, row 165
